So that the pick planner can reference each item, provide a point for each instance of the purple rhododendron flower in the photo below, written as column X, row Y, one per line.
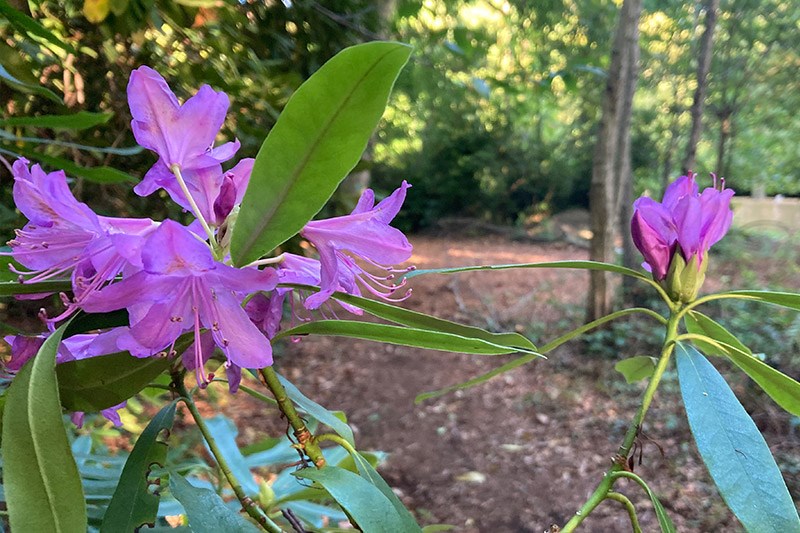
column 180, row 288
column 182, row 136
column 364, row 234
column 65, row 237
column 685, row 221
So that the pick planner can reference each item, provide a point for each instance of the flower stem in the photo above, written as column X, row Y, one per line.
column 604, row 487
column 621, row 498
column 247, row 503
column 305, row 440
column 176, row 170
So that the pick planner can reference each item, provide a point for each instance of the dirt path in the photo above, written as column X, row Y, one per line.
column 522, row 451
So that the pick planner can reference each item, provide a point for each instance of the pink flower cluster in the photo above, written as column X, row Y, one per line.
column 174, row 279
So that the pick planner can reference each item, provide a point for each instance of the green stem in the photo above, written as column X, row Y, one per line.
column 604, row 487
column 338, row 440
column 305, row 440
column 712, row 297
column 621, row 498
column 247, row 503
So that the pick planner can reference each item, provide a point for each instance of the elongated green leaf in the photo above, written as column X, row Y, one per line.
column 42, row 485
column 102, row 382
column 368, row 472
column 133, row 504
column 700, row 324
column 636, row 368
column 418, row 338
column 317, row 412
column 784, row 299
column 525, row 359
column 129, row 150
column 369, row 508
column 30, row 26
column 206, row 511
column 664, row 521
column 10, row 288
column 318, row 138
column 417, row 320
column 32, row 88
column 224, row 432
column 83, row 322
column 583, row 265
column 784, row 390
column 81, row 120
column 101, row 174
column 733, row 449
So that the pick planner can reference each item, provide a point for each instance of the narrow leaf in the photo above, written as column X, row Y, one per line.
column 584, row 265
column 29, row 26
column 664, row 521
column 417, row 320
column 15, row 83
column 368, row 472
column 636, row 368
column 318, row 412
column 418, row 338
column 133, row 504
column 735, row 453
column 318, row 138
column 42, row 485
column 10, row 288
column 224, row 432
column 101, row 382
column 364, row 503
column 81, row 120
column 83, row 322
column 206, row 511
column 700, row 324
column 784, row 299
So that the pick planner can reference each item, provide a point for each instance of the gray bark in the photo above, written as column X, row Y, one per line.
column 703, row 66
column 609, row 156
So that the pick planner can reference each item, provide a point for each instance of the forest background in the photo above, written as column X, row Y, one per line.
column 495, row 118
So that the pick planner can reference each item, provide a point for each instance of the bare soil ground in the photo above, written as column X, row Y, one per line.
column 524, row 450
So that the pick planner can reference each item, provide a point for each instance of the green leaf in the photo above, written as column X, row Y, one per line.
column 525, row 359
column 417, row 320
column 735, row 453
column 81, row 120
column 15, row 83
column 366, row 471
column 42, row 485
column 664, row 521
column 316, row 411
column 418, row 338
column 585, row 265
column 10, row 288
column 784, row 299
column 29, row 26
column 224, row 432
column 784, row 390
column 364, row 503
column 699, row 324
column 133, row 504
column 101, row 382
column 636, row 368
column 206, row 511
column 318, row 138
column 101, row 174
column 83, row 322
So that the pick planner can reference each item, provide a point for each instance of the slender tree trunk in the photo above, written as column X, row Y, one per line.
column 604, row 195
column 724, row 135
column 624, row 166
column 703, row 66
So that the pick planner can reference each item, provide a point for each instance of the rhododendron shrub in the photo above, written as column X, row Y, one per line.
column 199, row 302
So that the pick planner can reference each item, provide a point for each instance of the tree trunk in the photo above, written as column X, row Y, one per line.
column 703, row 66
column 724, row 134
column 604, row 195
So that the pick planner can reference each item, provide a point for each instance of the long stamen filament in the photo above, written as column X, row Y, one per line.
column 267, row 261
column 176, row 170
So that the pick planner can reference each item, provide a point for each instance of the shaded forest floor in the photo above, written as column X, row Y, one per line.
column 524, row 450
